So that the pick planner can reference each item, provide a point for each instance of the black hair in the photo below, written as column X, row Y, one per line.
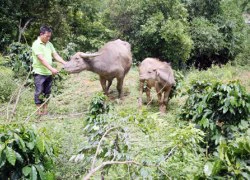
column 44, row 29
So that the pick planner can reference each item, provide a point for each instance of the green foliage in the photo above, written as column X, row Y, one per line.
column 99, row 129
column 98, row 106
column 206, row 8
column 217, row 108
column 243, row 58
column 175, row 32
column 69, row 51
column 176, row 89
column 58, row 79
column 7, row 86
column 110, row 135
column 217, row 30
column 232, row 159
column 88, row 31
column 25, row 153
column 208, row 42
column 20, row 59
column 184, row 143
column 154, row 28
column 222, row 111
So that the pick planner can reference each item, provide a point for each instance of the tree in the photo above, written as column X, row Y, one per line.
column 154, row 28
column 222, row 40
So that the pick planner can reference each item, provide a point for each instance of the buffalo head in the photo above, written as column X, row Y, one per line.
column 79, row 62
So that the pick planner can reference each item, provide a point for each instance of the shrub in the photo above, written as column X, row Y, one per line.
column 6, row 84
column 222, row 111
column 68, row 51
column 208, row 41
column 217, row 108
column 25, row 153
column 179, row 77
column 232, row 159
column 20, row 59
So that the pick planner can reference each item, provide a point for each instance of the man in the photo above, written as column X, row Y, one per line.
column 42, row 53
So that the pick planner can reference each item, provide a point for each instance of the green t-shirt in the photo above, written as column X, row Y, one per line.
column 38, row 47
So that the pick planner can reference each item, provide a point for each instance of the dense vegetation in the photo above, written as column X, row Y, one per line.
column 205, row 132
column 183, row 32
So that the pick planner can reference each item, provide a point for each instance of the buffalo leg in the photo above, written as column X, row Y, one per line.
column 109, row 84
column 148, row 89
column 119, row 87
column 166, row 95
column 103, row 83
column 161, row 96
column 141, row 92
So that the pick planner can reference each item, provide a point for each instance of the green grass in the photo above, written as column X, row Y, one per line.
column 65, row 121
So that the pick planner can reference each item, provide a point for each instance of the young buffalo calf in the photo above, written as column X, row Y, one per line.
column 159, row 75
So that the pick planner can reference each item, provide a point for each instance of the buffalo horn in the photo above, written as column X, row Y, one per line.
column 86, row 55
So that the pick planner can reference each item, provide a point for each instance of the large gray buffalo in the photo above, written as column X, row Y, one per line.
column 113, row 60
column 159, row 75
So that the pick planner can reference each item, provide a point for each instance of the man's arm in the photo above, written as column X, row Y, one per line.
column 46, row 64
column 58, row 58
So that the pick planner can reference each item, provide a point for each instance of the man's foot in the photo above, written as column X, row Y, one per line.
column 45, row 109
column 39, row 110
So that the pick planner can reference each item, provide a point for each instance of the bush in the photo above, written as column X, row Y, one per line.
column 232, row 159
column 68, row 51
column 7, row 85
column 20, row 59
column 176, row 89
column 217, row 108
column 25, row 153
column 222, row 111
column 208, row 42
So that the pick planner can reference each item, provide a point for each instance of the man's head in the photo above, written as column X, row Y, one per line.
column 45, row 33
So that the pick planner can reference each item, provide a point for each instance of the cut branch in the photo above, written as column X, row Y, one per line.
column 22, row 29
column 87, row 177
column 99, row 145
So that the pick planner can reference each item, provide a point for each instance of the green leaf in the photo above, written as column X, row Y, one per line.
column 208, row 169
column 26, row 170
column 40, row 144
column 11, row 155
column 33, row 174
column 2, row 160
column 30, row 145
column 50, row 176
column 19, row 157
column 41, row 172
column 2, row 147
column 20, row 142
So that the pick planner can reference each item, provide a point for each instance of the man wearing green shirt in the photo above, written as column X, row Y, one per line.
column 42, row 53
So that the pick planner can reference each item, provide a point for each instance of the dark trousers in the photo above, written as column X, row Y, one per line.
column 42, row 87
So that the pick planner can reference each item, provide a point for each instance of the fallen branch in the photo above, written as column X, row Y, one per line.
column 108, row 163
column 99, row 145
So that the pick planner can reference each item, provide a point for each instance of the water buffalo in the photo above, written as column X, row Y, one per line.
column 159, row 75
column 113, row 60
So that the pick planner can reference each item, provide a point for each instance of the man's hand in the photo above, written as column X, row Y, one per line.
column 54, row 71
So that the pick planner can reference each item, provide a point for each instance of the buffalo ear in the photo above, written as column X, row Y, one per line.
column 168, row 63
